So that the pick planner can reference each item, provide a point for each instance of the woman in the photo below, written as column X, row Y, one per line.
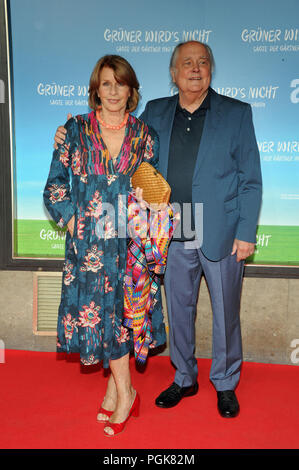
column 101, row 151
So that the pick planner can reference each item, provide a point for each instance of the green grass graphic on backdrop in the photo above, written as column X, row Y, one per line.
column 43, row 239
column 38, row 239
column 277, row 244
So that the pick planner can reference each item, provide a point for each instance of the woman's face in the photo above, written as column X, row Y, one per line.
column 113, row 95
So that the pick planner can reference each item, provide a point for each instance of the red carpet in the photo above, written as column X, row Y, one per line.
column 47, row 402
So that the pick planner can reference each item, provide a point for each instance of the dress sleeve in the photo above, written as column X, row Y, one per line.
column 58, row 193
column 151, row 153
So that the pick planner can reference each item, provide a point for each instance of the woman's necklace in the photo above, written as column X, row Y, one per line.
column 109, row 126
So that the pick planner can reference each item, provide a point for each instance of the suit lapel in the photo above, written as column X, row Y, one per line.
column 166, row 124
column 209, row 134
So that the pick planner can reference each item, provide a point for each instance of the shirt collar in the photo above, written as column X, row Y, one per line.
column 204, row 106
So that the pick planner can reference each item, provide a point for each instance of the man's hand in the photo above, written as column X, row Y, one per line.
column 60, row 134
column 243, row 249
column 70, row 225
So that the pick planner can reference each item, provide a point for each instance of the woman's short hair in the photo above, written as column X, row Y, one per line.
column 123, row 73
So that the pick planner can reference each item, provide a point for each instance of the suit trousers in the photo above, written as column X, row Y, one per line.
column 185, row 266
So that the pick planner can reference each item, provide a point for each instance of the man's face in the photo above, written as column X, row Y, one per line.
column 192, row 70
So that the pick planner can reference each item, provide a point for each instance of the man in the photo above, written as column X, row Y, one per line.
column 209, row 155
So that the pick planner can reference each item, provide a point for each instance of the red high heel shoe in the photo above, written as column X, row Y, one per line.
column 104, row 412
column 119, row 427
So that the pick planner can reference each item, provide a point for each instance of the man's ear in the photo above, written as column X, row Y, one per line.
column 172, row 73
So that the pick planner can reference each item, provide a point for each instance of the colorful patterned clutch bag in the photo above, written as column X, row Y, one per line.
column 156, row 190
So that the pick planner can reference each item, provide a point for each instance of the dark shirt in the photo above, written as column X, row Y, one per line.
column 184, row 144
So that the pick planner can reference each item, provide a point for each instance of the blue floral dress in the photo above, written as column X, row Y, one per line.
column 85, row 182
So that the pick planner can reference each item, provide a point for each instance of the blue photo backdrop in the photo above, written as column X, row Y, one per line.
column 55, row 45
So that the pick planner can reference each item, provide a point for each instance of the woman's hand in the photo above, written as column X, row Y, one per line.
column 70, row 226
column 139, row 196
column 145, row 205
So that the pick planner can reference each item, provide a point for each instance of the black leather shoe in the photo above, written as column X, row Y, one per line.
column 228, row 405
column 173, row 395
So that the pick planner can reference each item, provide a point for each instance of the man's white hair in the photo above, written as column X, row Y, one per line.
column 175, row 52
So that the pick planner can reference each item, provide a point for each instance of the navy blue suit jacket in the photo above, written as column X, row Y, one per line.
column 227, row 175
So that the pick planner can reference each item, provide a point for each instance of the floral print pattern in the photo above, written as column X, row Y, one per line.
column 92, row 260
column 89, row 317
column 57, row 193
